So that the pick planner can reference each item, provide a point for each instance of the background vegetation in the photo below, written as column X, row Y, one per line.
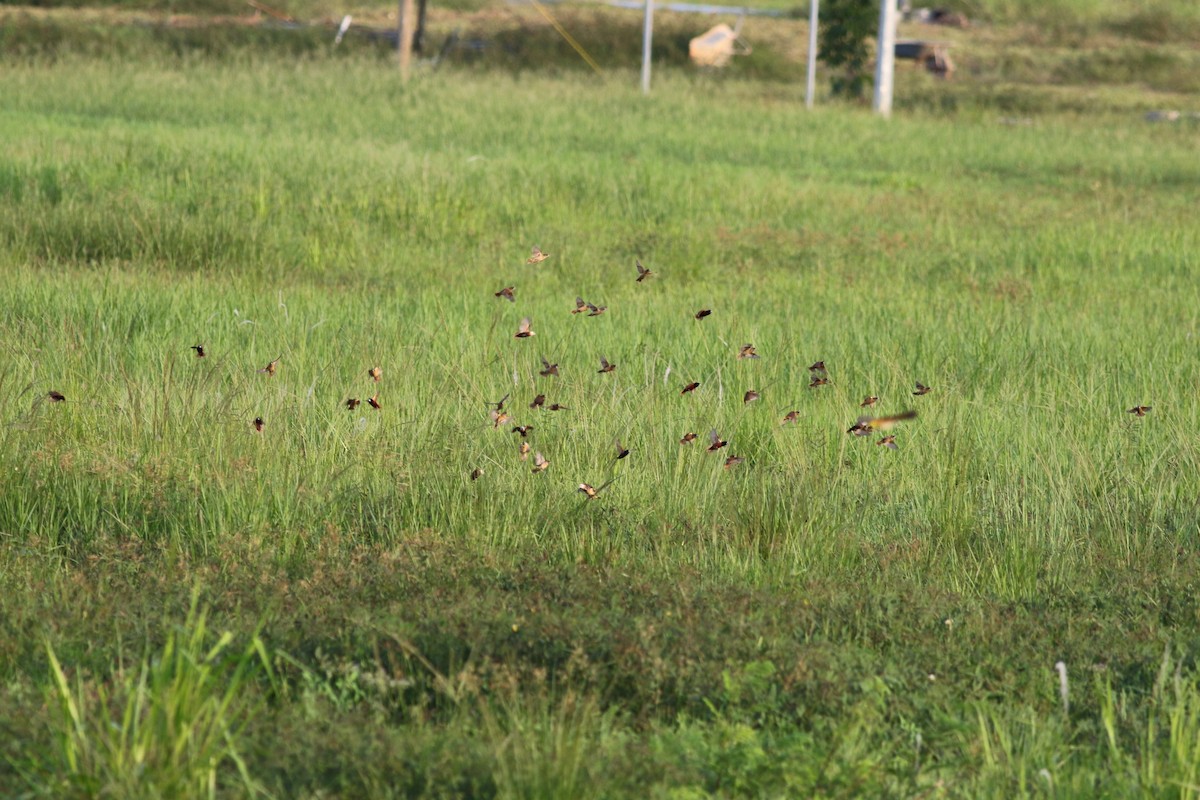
column 331, row 607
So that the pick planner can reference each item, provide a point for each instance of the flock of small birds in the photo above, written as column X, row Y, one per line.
column 865, row 425
column 499, row 414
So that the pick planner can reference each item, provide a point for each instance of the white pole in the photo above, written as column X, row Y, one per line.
column 811, row 88
column 885, row 57
column 647, row 35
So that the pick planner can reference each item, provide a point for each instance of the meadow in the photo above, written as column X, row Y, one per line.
column 332, row 607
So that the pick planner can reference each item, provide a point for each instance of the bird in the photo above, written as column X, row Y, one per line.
column 691, row 387
column 818, row 380
column 702, row 313
column 549, row 369
column 538, row 401
column 1139, row 410
column 475, row 473
column 643, row 273
column 498, row 418
column 507, row 294
column 580, row 306
column 818, row 366
column 733, row 461
column 376, row 373
column 522, row 429
column 592, row 491
column 622, row 450
column 791, row 416
column 556, row 407
column 884, row 423
column 373, row 401
column 888, row 441
column 595, row 310
column 352, row 403
column 605, row 366
column 536, row 255
column 199, row 348
column 868, row 401
column 921, row 389
column 499, row 404
column 747, row 351
column 688, row 438
column 523, row 450
column 258, row 424
column 859, row 429
column 540, row 463
column 523, row 330
column 56, row 396
column 716, row 442
column 270, row 368
column 749, row 397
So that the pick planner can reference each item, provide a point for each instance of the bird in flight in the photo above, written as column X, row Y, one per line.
column 643, row 273
column 507, row 294
column 270, row 368
column 536, row 255
column 605, row 366
column 523, row 330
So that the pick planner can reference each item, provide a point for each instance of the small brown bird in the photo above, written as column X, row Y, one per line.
column 498, row 418
column 523, row 330
column 549, row 369
column 556, row 407
column 499, row 404
column 859, row 429
column 747, row 351
column 258, row 424
column 538, row 401
column 1139, row 410
column 817, row 367
column 199, row 348
column 733, row 461
column 749, row 397
column 889, row 442
column 791, row 416
column 475, row 473
column 702, row 313
column 536, row 255
column 818, row 380
column 540, row 463
column 622, row 450
column 376, row 373
column 716, row 442
column 56, row 396
column 522, row 429
column 643, row 273
column 691, row 387
column 270, row 368
column 885, row 423
column 352, row 403
column 507, row 294
column 595, row 310
column 592, row 491
column 523, row 450
column 868, row 401
column 688, row 438
column 373, row 402
column 921, row 389
column 605, row 366
column 580, row 306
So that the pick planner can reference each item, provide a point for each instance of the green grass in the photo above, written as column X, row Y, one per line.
column 829, row 618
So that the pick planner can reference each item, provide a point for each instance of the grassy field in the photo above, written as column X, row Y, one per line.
column 332, row 607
